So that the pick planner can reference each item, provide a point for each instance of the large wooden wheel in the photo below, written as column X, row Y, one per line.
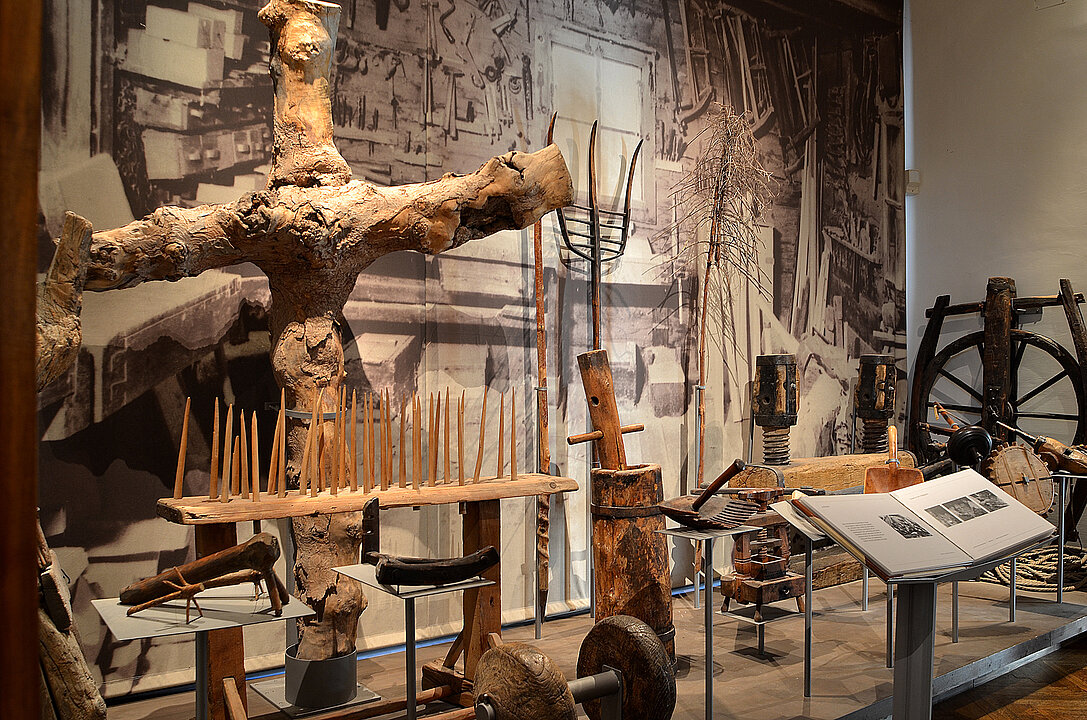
column 1049, row 400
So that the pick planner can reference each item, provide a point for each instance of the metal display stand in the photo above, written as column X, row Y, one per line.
column 706, row 537
column 915, row 635
column 224, row 608
column 366, row 575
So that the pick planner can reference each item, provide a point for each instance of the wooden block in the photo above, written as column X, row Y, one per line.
column 232, row 19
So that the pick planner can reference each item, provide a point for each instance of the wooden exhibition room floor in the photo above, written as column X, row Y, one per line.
column 849, row 673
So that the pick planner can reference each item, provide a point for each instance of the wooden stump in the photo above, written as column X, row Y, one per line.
column 630, row 556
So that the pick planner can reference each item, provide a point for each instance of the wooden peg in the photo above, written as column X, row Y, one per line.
column 383, row 435
column 416, row 442
column 501, row 436
column 445, row 478
column 213, row 489
column 232, row 481
column 432, row 444
column 513, row 434
column 482, row 434
column 315, row 456
column 354, row 442
column 337, row 435
column 281, row 475
column 460, row 439
column 255, row 465
column 388, row 406
column 370, row 458
column 241, row 487
column 334, row 475
column 273, row 463
column 228, row 432
column 402, row 448
column 179, row 478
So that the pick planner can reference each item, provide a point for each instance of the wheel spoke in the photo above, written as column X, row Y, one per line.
column 1041, row 388
column 958, row 408
column 1017, row 360
column 1048, row 416
column 973, row 393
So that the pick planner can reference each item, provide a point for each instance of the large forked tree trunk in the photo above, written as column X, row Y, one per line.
column 312, row 231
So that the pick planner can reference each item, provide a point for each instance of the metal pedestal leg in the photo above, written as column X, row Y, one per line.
column 698, row 578
column 409, row 654
column 808, row 577
column 864, row 589
column 1060, row 539
column 707, row 571
column 1011, row 593
column 202, row 675
column 955, row 611
column 890, row 625
column 914, row 646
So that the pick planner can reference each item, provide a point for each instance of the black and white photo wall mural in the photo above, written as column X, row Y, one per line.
column 155, row 102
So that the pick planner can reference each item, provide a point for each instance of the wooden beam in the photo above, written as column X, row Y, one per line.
column 200, row 511
column 20, row 88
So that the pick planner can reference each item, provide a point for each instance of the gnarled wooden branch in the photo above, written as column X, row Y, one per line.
column 60, row 300
column 332, row 229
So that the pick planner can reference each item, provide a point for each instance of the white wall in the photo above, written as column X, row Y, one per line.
column 999, row 133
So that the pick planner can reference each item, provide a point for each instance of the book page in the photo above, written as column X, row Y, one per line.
column 975, row 514
column 893, row 538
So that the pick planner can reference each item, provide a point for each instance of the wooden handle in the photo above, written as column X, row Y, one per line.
column 892, row 445
column 731, row 471
column 596, row 434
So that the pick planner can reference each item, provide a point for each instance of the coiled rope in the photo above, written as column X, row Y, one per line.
column 1037, row 570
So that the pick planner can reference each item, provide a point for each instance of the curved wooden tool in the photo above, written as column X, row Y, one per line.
column 258, row 553
column 698, row 512
column 394, row 570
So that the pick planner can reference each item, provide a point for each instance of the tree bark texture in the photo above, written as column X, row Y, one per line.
column 60, row 301
column 312, row 231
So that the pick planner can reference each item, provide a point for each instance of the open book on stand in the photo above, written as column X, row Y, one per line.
column 952, row 522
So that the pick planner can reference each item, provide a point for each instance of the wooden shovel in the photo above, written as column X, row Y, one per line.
column 891, row 477
column 693, row 511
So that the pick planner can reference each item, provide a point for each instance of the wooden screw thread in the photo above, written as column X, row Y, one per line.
column 254, row 444
column 460, row 439
column 213, row 488
column 482, row 435
column 179, row 478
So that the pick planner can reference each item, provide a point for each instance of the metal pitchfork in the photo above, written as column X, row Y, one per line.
column 589, row 243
